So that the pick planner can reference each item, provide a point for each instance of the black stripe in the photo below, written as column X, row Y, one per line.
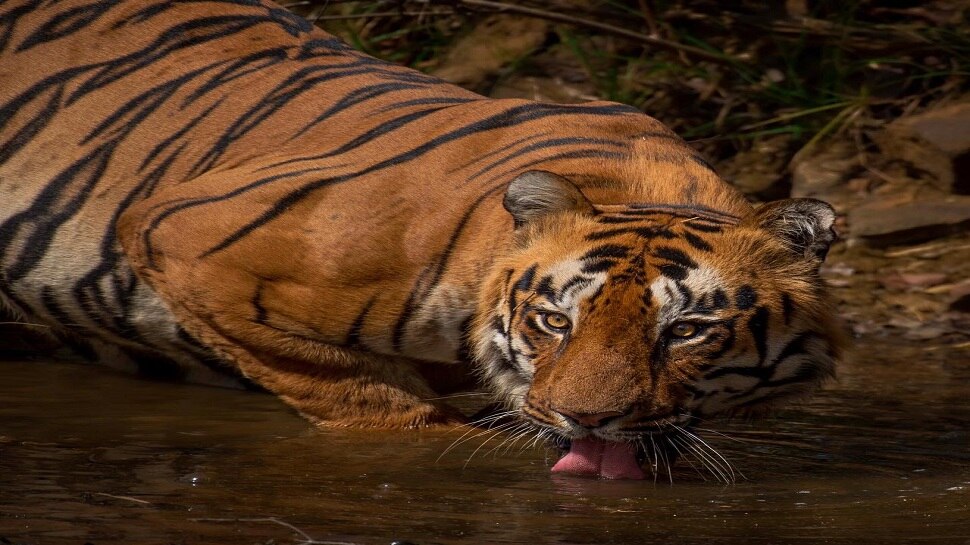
column 257, row 303
column 745, row 297
column 54, row 86
column 582, row 281
column 612, row 220
column 161, row 146
column 498, row 325
column 726, row 344
column 601, row 265
column 684, row 210
column 45, row 214
column 794, row 347
column 761, row 373
column 244, row 66
column 176, row 38
column 758, row 325
column 65, row 23
column 787, row 308
column 647, row 233
column 427, row 101
column 134, row 112
column 720, row 299
column 52, row 307
column 577, row 154
column 140, row 107
column 383, row 129
column 647, row 297
column 524, row 282
column 697, row 242
column 355, row 97
column 617, row 251
column 357, row 327
column 703, row 227
column 544, row 288
column 188, row 339
column 675, row 256
column 685, row 294
column 674, row 272
column 9, row 19
column 544, row 145
column 479, row 157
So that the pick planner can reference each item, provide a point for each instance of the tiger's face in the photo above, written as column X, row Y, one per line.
column 616, row 322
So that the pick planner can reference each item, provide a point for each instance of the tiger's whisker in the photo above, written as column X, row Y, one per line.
column 29, row 324
column 724, row 435
column 727, row 463
column 667, row 464
column 453, row 396
column 682, row 455
column 500, row 428
column 511, row 432
column 708, row 462
column 471, row 428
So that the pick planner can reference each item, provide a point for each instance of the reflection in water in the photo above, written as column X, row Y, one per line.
column 87, row 456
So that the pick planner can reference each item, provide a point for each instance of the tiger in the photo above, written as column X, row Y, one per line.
column 217, row 190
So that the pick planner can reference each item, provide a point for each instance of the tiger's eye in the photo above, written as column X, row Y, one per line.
column 556, row 321
column 683, row 330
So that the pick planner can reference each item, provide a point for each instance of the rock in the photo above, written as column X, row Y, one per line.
column 961, row 304
column 926, row 332
column 903, row 281
column 841, row 269
column 493, row 44
column 960, row 292
column 937, row 142
column 814, row 171
column 887, row 222
column 542, row 89
column 760, row 171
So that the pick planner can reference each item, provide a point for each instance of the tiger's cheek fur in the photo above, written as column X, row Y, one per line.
column 509, row 342
column 778, row 342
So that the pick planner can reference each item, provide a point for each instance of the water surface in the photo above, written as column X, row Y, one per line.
column 90, row 456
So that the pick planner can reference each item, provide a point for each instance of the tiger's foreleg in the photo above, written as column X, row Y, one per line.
column 335, row 387
column 278, row 302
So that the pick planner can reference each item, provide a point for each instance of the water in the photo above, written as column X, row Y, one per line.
column 88, row 456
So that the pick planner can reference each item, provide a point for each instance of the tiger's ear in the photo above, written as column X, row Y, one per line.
column 536, row 193
column 804, row 225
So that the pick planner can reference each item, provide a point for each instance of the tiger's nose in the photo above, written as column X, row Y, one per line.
column 590, row 420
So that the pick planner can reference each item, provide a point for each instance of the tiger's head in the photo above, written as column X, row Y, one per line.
column 619, row 321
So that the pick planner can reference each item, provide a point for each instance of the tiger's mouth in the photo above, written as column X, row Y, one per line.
column 649, row 455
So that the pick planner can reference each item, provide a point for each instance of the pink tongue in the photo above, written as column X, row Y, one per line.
column 597, row 457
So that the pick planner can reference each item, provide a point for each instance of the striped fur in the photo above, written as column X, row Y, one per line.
column 202, row 188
